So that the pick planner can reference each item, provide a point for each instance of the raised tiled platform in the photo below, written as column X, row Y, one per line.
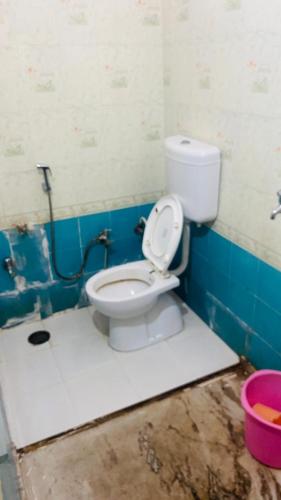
column 76, row 377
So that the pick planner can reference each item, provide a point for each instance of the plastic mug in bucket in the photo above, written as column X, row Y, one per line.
column 263, row 439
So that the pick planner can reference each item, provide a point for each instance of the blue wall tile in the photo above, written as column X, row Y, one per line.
column 219, row 252
column 144, row 210
column 228, row 327
column 125, row 250
column 123, row 222
column 241, row 302
column 44, row 288
column 28, row 301
column 30, row 260
column 244, row 268
column 10, row 307
column 269, row 286
column 68, row 261
column 208, row 277
column 199, row 270
column 66, row 234
column 96, row 259
column 267, row 323
column 262, row 355
column 219, row 285
column 245, row 288
column 64, row 296
column 199, row 240
column 197, row 298
column 6, row 282
column 177, row 258
column 16, row 305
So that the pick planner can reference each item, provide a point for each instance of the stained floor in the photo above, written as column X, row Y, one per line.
column 188, row 445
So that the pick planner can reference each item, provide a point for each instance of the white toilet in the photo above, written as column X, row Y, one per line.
column 134, row 296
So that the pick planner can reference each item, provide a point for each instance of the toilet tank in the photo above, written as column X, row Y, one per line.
column 193, row 174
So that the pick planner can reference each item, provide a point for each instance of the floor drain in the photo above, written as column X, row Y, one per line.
column 39, row 337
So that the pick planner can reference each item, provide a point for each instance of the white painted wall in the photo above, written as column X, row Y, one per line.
column 222, row 85
column 81, row 88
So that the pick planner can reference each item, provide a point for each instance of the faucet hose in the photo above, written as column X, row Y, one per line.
column 93, row 242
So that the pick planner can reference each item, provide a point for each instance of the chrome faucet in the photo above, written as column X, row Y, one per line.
column 277, row 210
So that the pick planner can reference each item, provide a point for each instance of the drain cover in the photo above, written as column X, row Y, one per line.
column 39, row 337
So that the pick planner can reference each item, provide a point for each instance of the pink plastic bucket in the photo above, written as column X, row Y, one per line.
column 263, row 439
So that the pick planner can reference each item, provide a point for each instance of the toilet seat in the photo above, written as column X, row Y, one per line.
column 163, row 232
column 116, row 291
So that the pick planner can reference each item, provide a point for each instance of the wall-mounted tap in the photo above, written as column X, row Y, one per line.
column 277, row 210
column 10, row 266
column 140, row 227
column 22, row 229
column 103, row 238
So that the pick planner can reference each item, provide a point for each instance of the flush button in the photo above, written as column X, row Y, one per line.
column 184, row 142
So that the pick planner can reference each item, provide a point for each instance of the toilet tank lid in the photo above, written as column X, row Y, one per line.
column 191, row 151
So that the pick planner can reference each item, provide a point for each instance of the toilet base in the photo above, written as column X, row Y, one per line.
column 162, row 321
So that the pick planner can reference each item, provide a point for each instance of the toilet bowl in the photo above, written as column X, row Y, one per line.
column 128, row 290
column 133, row 295
column 137, row 297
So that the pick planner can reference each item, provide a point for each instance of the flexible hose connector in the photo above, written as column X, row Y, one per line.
column 90, row 245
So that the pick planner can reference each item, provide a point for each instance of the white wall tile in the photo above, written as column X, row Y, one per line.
column 83, row 91
column 222, row 85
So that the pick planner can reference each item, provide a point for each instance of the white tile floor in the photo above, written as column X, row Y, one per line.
column 76, row 377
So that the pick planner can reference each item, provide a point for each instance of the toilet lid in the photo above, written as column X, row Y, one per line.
column 163, row 232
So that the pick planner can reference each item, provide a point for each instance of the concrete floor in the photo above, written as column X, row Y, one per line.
column 187, row 445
